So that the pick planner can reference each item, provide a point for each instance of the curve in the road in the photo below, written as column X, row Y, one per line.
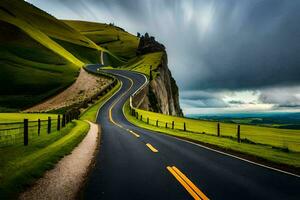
column 134, row 163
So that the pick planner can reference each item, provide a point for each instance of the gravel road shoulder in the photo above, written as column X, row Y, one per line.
column 66, row 179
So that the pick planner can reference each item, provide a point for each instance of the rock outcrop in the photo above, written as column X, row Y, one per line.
column 161, row 95
column 148, row 44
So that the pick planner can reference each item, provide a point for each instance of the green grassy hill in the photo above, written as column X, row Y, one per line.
column 39, row 54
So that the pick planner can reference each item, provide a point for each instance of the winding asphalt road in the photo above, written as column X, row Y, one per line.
column 133, row 163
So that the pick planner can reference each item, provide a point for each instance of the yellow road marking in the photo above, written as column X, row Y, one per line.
column 184, row 184
column 190, row 183
column 151, row 148
column 192, row 189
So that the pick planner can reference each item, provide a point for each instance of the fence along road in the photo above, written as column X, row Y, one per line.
column 134, row 163
column 16, row 133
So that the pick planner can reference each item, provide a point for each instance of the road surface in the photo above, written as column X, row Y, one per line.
column 134, row 163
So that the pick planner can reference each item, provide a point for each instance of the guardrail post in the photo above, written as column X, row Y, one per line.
column 25, row 132
column 166, row 124
column 147, row 120
column 58, row 122
column 157, row 123
column 39, row 127
column 141, row 117
column 238, row 133
column 49, row 125
column 137, row 115
column 184, row 126
column 172, row 124
column 218, row 129
column 63, row 124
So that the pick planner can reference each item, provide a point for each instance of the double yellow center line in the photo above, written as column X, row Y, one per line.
column 192, row 189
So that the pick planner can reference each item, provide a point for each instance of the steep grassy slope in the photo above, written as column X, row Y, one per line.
column 112, row 38
column 39, row 55
column 29, row 71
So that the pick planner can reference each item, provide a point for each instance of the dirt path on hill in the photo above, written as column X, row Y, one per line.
column 85, row 86
column 65, row 180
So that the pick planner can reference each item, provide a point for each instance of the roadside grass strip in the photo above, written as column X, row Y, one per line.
column 191, row 188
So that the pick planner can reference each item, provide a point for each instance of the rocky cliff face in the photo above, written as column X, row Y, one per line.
column 161, row 95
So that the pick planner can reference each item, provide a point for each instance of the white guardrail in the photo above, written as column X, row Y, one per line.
column 138, row 90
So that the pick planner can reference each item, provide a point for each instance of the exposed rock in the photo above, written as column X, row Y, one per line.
column 161, row 95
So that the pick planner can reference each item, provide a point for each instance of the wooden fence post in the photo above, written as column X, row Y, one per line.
column 58, row 122
column 172, row 124
column 49, row 125
column 218, row 129
column 238, row 133
column 184, row 126
column 39, row 127
column 25, row 132
column 63, row 124
column 157, row 123
column 68, row 118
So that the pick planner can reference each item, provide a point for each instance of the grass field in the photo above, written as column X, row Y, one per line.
column 269, row 136
column 20, row 165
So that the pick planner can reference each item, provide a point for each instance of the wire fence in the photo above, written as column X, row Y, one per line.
column 23, row 133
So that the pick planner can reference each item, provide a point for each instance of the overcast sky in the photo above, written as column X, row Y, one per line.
column 226, row 55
